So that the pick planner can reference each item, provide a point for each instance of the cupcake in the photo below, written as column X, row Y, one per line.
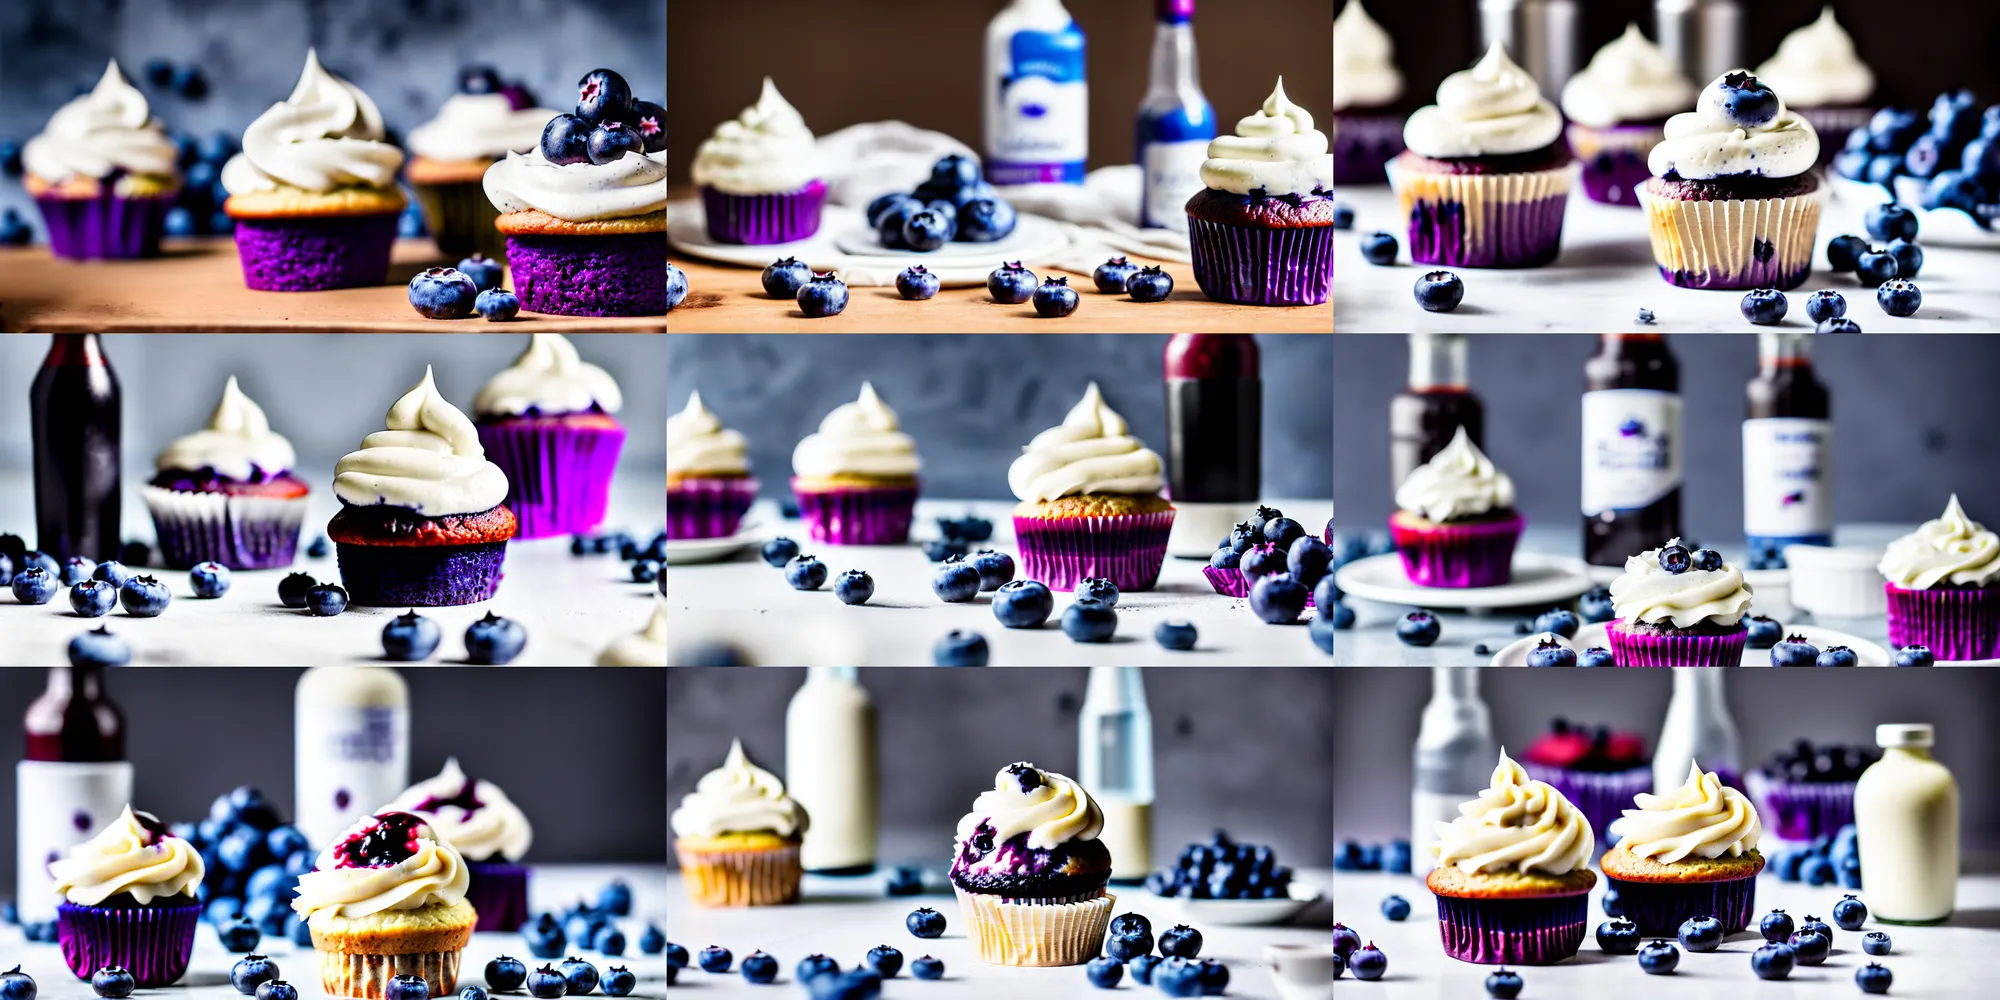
column 856, row 479
column 422, row 519
column 548, row 423
column 1807, row 792
column 1618, row 109
column 103, row 173
column 1733, row 202
column 1030, row 872
column 450, row 154
column 1486, row 176
column 1455, row 525
column 759, row 175
column 1822, row 78
column 1513, row 875
column 130, row 899
column 1261, row 229
column 1678, row 617
column 387, row 900
column 737, row 836
column 1943, row 585
column 1366, row 134
column 587, row 232
column 709, row 486
column 313, row 194
column 488, row 831
column 1596, row 769
column 644, row 648
column 227, row 494
column 1690, row 852
column 1090, row 502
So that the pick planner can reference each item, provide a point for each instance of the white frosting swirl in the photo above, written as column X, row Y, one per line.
column 1703, row 818
column 1953, row 549
column 1364, row 61
column 237, row 442
column 1492, row 109
column 428, row 459
column 1646, row 592
column 1052, row 813
column 125, row 857
column 327, row 135
column 857, row 439
column 738, row 797
column 479, row 127
column 1091, row 451
column 644, row 648
column 1628, row 80
column 549, row 378
column 1276, row 150
column 110, row 128
column 633, row 184
column 434, row 873
column 765, row 150
column 1707, row 143
column 1458, row 482
column 1516, row 824
column 493, row 828
column 698, row 443
column 1816, row 66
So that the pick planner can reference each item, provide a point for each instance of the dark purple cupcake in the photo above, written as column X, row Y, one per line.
column 106, row 226
column 315, row 253
column 1807, row 791
column 619, row 274
column 103, row 172
column 1263, row 250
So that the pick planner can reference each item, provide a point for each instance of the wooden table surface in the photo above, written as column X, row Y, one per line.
column 197, row 287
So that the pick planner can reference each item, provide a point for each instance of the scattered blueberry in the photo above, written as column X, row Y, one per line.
column 1418, row 628
column 757, row 967
column 411, row 637
column 1504, row 984
column 1812, row 946
column 1824, row 305
column 1794, row 651
column 1701, row 933
column 1890, row 221
column 1875, row 943
column 1379, row 248
column 1104, row 972
column 961, row 648
column 34, row 585
column 496, row 305
column 805, row 572
column 443, row 293
column 1876, row 267
column 916, row 283
column 1899, row 298
column 1765, row 306
column 485, row 272
column 1440, row 291
column 1055, row 299
column 927, row 968
column 1151, row 284
column 1838, row 324
column 1550, row 652
column 278, row 989
column 239, row 936
column 1141, row 967
column 1395, row 908
column 1850, row 913
column 1776, row 927
column 1909, row 257
column 1023, row 604
column 1343, row 216
column 93, row 598
column 1561, row 621
column 506, row 974
column 1112, row 276
column 1773, row 960
column 825, row 295
column 326, row 600
column 854, row 587
column 1369, row 963
column 677, row 286
column 1844, row 252
column 546, row 983
column 925, row 923
column 1618, row 937
column 1914, row 656
column 779, row 551
column 1011, row 284
column 1873, row 978
column 113, row 981
column 813, row 966
column 251, row 972
column 1658, row 958
column 142, row 597
column 494, row 641
column 1837, row 656
column 1180, row 941
column 995, row 569
column 1089, row 621
column 209, row 580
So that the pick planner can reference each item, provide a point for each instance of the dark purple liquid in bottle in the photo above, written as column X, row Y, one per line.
column 1423, row 421
column 1631, row 468
column 1215, row 418
column 74, row 421
column 75, row 721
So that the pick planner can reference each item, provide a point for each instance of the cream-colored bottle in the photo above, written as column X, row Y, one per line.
column 1906, row 822
column 351, row 747
column 1114, row 737
column 830, row 769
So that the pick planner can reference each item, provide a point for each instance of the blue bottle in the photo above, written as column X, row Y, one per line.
column 1037, row 100
column 1175, row 120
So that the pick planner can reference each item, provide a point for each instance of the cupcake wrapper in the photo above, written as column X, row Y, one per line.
column 1036, row 934
column 1801, row 810
column 366, row 977
column 1474, row 554
column 1600, row 796
column 313, row 254
column 1659, row 908
column 1227, row 582
column 1614, row 160
column 740, row 878
column 877, row 516
column 402, row 576
column 106, row 227
column 240, row 532
column 1484, row 220
column 709, row 508
column 763, row 219
column 1261, row 266
column 499, row 893
column 1739, row 243
column 558, row 475
column 622, row 274
column 461, row 219
column 1513, row 931
column 1062, row 552
column 1957, row 624
column 151, row 942
column 1630, row 649
column 1363, row 145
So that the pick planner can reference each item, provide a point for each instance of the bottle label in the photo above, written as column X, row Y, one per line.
column 1173, row 175
column 350, row 762
column 57, row 806
column 1043, row 120
column 1786, row 492
column 1631, row 448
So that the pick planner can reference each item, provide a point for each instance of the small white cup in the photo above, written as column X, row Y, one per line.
column 1837, row 581
column 1301, row 971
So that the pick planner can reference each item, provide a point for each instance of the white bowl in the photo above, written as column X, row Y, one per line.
column 1837, row 581
column 1243, row 912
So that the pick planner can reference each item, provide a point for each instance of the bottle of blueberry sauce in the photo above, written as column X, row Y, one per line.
column 1438, row 400
column 1632, row 450
column 72, row 781
column 1787, row 443
column 1215, row 436
column 1176, row 122
column 74, row 420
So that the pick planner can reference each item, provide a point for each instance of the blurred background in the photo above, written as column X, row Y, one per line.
column 883, row 60
column 972, row 402
column 1245, row 750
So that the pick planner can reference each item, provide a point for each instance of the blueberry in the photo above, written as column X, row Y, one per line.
column 1550, row 652
column 1676, row 559
column 113, row 981
column 1701, row 933
column 326, row 600
column 1909, row 257
column 1262, row 560
column 1151, row 284
column 1747, row 100
column 1131, row 925
column 1850, row 913
column 209, row 580
column 1843, row 253
column 582, row 976
column 985, row 220
column 93, row 598
column 602, row 96
column 813, row 966
column 880, row 208
column 1055, row 299
column 1180, row 941
column 1097, row 588
column 1440, row 291
column 955, row 581
column 1898, row 297
column 757, row 967
column 927, row 968
column 1560, row 621
column 854, row 587
column 1379, row 248
column 1764, row 306
column 1309, row 560
column 961, row 648
column 1811, row 945
column 1658, row 958
column 143, row 597
column 494, row 641
column 1873, row 978
column 292, row 590
column 1023, row 604
column 14, row 230
column 1089, row 621
column 1112, row 276
column 1875, row 943
column 1595, row 605
column 825, row 295
column 1214, row 978
column 1418, row 628
column 252, row 972
column 34, row 585
column 1141, row 966
column 1176, row 635
column 652, row 941
column 645, row 571
column 465, row 993
column 1277, row 599
column 925, row 923
column 885, row 960
column 1326, row 593
column 506, row 974
column 1794, row 651
column 937, row 550
column 1839, row 324
column 1343, row 216
column 1504, row 984
column 484, row 271
column 1368, row 963
column 566, row 140
column 1011, row 284
column 1104, row 972
column 928, row 230
column 496, row 305
column 1776, row 926
column 779, row 551
column 906, row 881
column 1773, row 960
column 1395, row 908
column 1837, row 656
column 411, row 637
column 610, row 140
column 1890, row 221
column 239, row 936
column 278, row 989
column 677, row 286
column 189, row 82
column 443, row 293
column 995, row 568
column 1914, row 656
column 1346, row 940
column 917, row 283
column 546, row 983
column 1618, row 937
column 75, row 570
column 805, row 572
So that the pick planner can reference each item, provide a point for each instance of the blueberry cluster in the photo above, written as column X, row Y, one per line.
column 254, row 860
column 1824, row 861
column 1145, row 284
column 1367, row 962
column 645, row 562
column 956, row 536
column 1222, row 869
column 1355, row 856
column 821, row 975
column 458, row 292
column 1953, row 152
column 1795, row 651
column 1178, row 970
column 955, row 204
column 1805, row 761
column 818, row 295
column 607, row 124
column 1283, row 564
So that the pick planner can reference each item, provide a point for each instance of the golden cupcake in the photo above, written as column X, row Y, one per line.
column 387, row 900
column 737, row 836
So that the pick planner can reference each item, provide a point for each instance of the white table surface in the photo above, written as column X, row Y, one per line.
column 1927, row 962
column 1607, row 273
column 746, row 602
column 550, row 887
column 572, row 607
column 843, row 918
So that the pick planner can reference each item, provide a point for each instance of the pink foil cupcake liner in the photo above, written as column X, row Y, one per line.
column 499, row 893
column 1957, row 623
column 762, row 219
column 1632, row 649
column 858, row 516
column 1602, row 796
column 558, row 473
column 1457, row 555
column 1128, row 549
column 708, row 508
column 1260, row 266
column 1540, row 931
column 1614, row 160
column 1232, row 583
column 151, row 942
column 106, row 227
column 1659, row 908
column 1801, row 810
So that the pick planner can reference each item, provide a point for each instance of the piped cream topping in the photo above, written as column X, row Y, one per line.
column 1646, row 592
column 1709, row 143
column 1493, row 109
column 1364, row 61
column 1276, row 151
column 428, row 459
column 738, row 797
column 433, row 873
column 1458, row 482
column 126, row 857
column 644, row 648
column 1628, row 80
column 1516, row 824
column 475, row 817
column 1053, row 812
column 857, row 439
column 549, row 378
column 1952, row 549
column 1703, row 818
column 698, row 443
column 237, row 443
column 765, row 150
column 110, row 128
column 471, row 127
column 326, row 135
column 1817, row 66
column 1091, row 451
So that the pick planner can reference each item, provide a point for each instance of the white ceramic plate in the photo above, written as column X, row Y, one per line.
column 1243, row 912
column 1515, row 654
column 1939, row 226
column 1033, row 239
column 688, row 551
column 1538, row 579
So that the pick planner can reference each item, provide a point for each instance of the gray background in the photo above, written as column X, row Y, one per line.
column 1239, row 748
column 1914, row 419
column 1374, row 725
column 580, row 751
column 404, row 54
column 972, row 402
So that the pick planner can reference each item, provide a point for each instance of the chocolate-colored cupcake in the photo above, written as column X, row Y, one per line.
column 1030, row 871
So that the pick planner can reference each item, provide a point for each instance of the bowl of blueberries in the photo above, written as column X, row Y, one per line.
column 1230, row 883
column 1942, row 163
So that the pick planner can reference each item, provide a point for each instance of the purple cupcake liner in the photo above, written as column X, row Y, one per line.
column 1602, row 796
column 1957, row 623
column 1517, row 234
column 1801, row 810
column 1457, row 555
column 106, row 227
column 708, row 508
column 622, row 274
column 498, row 891
column 240, row 532
column 763, row 219
column 410, row 576
column 1540, row 931
column 315, row 253
column 151, row 942
column 1232, row 583
column 860, row 516
column 558, row 474
column 1631, row 649
column 1659, row 908
column 1363, row 145
column 461, row 219
column 1261, row 266
column 1062, row 552
column 1610, row 177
